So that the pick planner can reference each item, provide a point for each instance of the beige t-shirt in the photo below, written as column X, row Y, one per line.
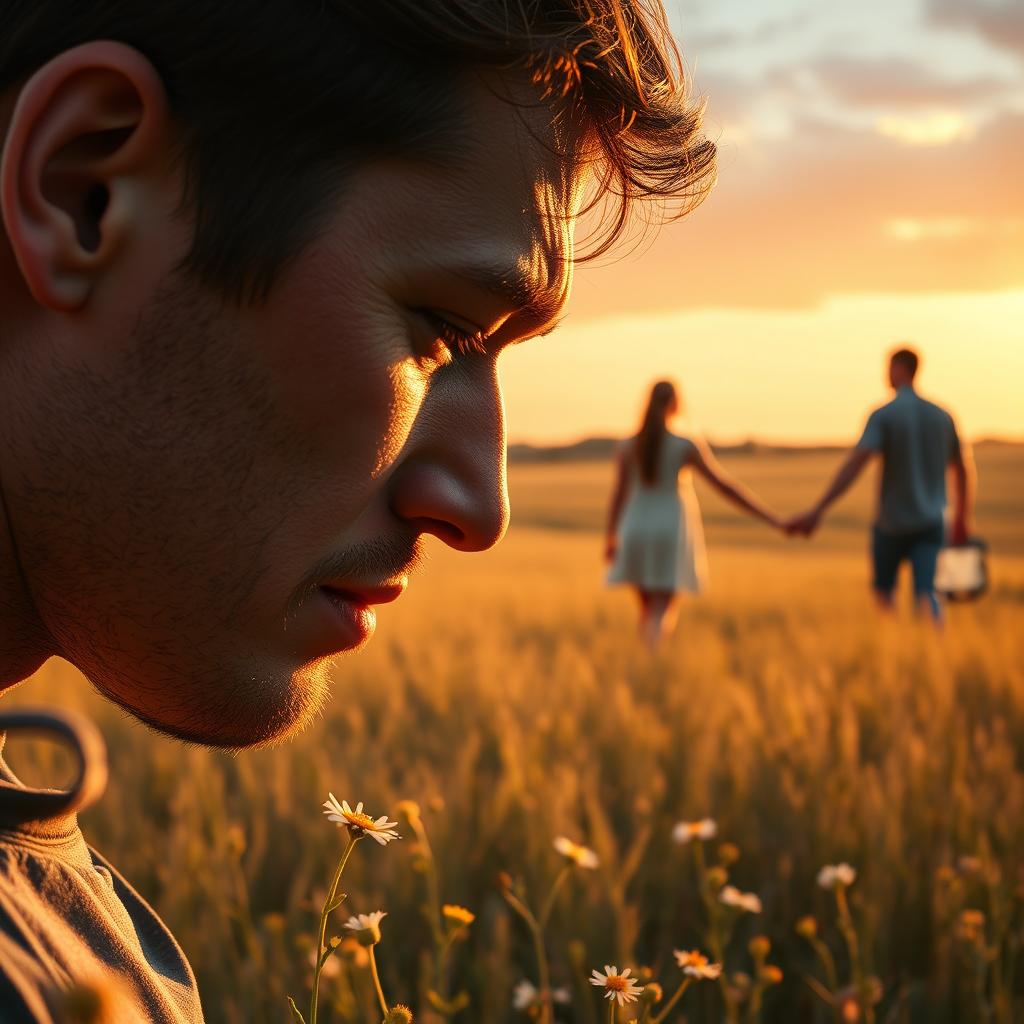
column 67, row 918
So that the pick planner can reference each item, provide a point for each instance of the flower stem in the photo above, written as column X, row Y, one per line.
column 754, row 1004
column 849, row 931
column 324, row 914
column 543, row 975
column 537, row 934
column 667, row 1008
column 611, row 1011
column 828, row 962
column 376, row 981
column 717, row 939
column 549, row 903
column 441, row 947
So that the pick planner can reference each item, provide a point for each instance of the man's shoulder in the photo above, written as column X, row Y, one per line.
column 936, row 410
column 67, row 918
column 882, row 412
column 912, row 404
column 935, row 419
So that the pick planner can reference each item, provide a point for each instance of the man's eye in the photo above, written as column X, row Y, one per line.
column 458, row 340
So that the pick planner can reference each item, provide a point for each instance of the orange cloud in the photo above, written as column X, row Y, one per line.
column 900, row 82
column 804, row 218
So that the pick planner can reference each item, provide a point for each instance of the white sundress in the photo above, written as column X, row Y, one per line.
column 661, row 535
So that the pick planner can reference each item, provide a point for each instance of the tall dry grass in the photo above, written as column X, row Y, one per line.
column 509, row 698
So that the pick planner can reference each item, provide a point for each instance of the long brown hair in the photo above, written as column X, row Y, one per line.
column 663, row 401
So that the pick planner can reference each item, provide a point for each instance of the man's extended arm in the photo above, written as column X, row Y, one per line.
column 848, row 472
column 964, row 477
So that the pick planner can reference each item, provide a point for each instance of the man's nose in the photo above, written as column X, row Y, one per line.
column 451, row 482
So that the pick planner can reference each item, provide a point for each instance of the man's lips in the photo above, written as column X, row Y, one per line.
column 340, row 616
column 364, row 597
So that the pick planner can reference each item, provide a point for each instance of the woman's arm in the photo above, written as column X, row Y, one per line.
column 807, row 523
column 709, row 467
column 618, row 501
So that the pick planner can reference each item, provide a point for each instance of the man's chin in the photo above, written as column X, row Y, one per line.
column 258, row 713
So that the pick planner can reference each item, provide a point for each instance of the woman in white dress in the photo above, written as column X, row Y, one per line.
column 655, row 538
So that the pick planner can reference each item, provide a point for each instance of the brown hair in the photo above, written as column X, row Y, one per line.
column 653, row 429
column 276, row 97
column 908, row 359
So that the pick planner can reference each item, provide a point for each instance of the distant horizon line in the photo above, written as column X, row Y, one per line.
column 587, row 440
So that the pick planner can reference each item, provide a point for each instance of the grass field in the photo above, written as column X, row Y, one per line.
column 507, row 696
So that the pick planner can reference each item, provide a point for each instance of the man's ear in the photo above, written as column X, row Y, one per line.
column 89, row 132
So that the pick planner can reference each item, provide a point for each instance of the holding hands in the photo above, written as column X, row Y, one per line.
column 803, row 525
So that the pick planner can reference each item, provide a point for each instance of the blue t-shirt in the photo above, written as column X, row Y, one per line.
column 917, row 440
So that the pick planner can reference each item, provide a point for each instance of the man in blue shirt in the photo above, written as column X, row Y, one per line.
column 918, row 443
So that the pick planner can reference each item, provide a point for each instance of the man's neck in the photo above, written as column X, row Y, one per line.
column 24, row 642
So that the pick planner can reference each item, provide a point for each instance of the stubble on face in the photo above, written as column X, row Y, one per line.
column 185, row 490
column 128, row 519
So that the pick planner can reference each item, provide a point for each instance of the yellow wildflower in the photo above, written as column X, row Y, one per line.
column 459, row 916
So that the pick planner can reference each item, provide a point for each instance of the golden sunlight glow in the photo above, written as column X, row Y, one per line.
column 796, row 375
column 937, row 128
column 910, row 229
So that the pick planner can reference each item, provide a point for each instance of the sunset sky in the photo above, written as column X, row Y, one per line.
column 871, row 191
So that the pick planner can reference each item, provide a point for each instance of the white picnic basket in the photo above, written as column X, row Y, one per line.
column 962, row 571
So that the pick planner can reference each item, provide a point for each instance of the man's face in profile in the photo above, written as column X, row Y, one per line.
column 208, row 499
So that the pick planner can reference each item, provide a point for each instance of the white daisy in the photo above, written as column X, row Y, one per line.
column 696, row 964
column 617, row 986
column 686, row 831
column 366, row 927
column 526, row 995
column 358, row 823
column 581, row 856
column 748, row 901
column 832, row 875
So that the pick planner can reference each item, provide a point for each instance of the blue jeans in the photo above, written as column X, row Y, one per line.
column 921, row 549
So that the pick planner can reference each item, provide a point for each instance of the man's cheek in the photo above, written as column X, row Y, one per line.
column 407, row 391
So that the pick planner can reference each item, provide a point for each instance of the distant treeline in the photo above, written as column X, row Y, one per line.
column 600, row 449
